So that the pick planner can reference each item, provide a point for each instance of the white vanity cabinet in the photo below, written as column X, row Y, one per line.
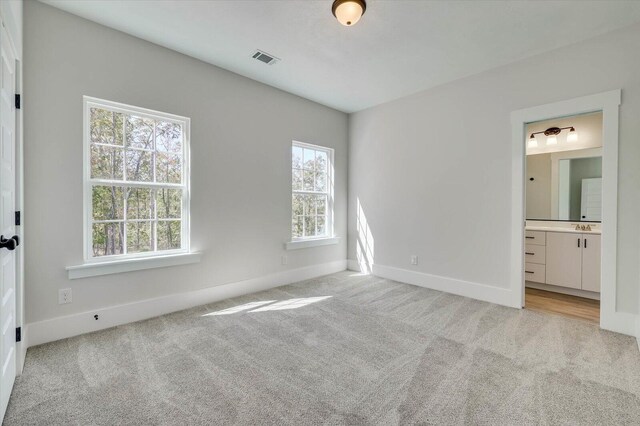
column 534, row 256
column 565, row 259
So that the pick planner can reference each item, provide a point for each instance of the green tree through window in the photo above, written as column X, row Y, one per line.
column 137, row 183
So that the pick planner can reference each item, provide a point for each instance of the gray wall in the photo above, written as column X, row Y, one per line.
column 241, row 133
column 432, row 171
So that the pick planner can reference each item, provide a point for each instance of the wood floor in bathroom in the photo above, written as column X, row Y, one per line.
column 563, row 304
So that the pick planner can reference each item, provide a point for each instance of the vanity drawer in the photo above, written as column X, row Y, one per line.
column 534, row 254
column 534, row 272
column 535, row 237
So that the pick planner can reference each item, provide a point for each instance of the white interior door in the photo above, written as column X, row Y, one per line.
column 7, row 220
column 591, row 203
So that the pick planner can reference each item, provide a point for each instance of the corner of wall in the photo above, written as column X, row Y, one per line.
column 353, row 265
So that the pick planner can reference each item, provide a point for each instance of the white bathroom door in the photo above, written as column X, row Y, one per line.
column 591, row 203
column 7, row 219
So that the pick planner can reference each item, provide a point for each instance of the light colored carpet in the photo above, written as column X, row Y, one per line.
column 374, row 352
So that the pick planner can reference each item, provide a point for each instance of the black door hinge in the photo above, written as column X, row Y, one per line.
column 17, row 219
column 17, row 101
column 18, row 334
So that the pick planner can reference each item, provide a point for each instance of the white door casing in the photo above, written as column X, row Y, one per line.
column 7, row 219
column 609, row 103
column 591, row 263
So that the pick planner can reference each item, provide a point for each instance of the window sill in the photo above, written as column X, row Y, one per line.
column 300, row 244
column 128, row 265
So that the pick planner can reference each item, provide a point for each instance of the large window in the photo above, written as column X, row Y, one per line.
column 136, row 181
column 312, row 191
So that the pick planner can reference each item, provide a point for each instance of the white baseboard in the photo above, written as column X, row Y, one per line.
column 486, row 293
column 619, row 322
column 353, row 265
column 73, row 325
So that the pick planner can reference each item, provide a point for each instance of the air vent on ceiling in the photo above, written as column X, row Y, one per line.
column 265, row 57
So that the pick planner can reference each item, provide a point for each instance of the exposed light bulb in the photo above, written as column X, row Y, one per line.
column 572, row 136
column 552, row 140
column 348, row 12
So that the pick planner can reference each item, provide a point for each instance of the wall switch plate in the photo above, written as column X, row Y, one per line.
column 414, row 259
column 284, row 259
column 64, row 296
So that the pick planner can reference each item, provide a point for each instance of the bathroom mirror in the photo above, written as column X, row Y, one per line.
column 564, row 168
column 565, row 186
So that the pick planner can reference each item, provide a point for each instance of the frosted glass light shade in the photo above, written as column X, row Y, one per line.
column 572, row 136
column 552, row 140
column 532, row 143
column 348, row 12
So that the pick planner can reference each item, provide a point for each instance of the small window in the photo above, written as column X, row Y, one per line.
column 312, row 191
column 136, row 181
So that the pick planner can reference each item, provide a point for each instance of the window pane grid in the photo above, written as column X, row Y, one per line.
column 310, row 191
column 124, row 216
column 134, row 148
column 140, row 161
column 172, row 205
column 109, row 182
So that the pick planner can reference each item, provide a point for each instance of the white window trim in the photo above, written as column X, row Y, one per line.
column 164, row 257
column 311, row 242
column 330, row 238
column 94, row 269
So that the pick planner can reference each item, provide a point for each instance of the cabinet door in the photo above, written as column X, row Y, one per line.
column 591, row 262
column 564, row 259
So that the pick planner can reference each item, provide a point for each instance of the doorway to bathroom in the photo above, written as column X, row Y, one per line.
column 563, row 211
column 607, row 103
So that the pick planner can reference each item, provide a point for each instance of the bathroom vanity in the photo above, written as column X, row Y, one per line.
column 563, row 257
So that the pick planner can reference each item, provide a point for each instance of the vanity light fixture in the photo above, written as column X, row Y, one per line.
column 348, row 12
column 533, row 142
column 552, row 132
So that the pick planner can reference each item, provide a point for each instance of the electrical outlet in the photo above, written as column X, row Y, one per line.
column 64, row 296
column 284, row 259
column 414, row 259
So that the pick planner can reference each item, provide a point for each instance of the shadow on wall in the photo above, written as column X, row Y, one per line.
column 364, row 243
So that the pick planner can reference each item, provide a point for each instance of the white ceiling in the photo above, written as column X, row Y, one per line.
column 398, row 48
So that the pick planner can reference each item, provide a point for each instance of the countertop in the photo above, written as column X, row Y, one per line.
column 562, row 229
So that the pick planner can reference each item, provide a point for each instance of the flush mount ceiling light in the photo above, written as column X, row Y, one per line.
column 551, row 134
column 348, row 12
